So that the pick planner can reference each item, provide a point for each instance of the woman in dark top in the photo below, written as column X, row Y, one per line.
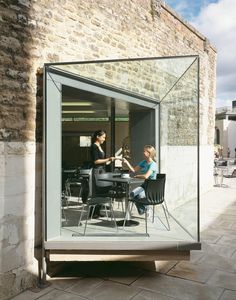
column 97, row 154
column 98, row 161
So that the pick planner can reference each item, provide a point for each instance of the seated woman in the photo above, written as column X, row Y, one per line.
column 147, row 169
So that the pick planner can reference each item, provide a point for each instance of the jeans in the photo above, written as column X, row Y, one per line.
column 139, row 193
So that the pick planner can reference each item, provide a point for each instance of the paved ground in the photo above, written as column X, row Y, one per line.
column 210, row 274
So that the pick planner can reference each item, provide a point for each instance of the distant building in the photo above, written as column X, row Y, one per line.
column 225, row 129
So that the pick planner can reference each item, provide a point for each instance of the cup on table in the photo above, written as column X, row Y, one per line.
column 125, row 175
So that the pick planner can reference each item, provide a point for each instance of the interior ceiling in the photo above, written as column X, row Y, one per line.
column 99, row 103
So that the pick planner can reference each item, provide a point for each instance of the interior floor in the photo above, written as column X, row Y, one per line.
column 104, row 226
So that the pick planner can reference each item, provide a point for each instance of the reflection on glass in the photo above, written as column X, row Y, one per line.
column 152, row 78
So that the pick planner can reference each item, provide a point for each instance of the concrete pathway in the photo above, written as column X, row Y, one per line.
column 209, row 275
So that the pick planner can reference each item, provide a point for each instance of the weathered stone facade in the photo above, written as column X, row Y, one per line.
column 38, row 31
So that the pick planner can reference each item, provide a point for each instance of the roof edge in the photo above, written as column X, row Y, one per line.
column 187, row 24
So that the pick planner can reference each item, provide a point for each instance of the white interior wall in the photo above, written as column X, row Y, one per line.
column 232, row 138
column 180, row 165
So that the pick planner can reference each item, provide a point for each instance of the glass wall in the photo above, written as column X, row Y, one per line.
column 179, row 148
column 137, row 102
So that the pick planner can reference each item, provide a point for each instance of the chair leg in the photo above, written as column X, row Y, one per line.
column 106, row 210
column 126, row 215
column 122, row 206
column 151, row 212
column 113, row 215
column 63, row 215
column 87, row 216
column 81, row 214
column 118, row 204
column 146, row 222
column 168, row 228
column 166, row 208
column 132, row 205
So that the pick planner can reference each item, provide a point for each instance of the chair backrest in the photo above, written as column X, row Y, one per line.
column 161, row 176
column 100, row 183
column 155, row 189
column 73, row 188
column 85, row 176
column 85, row 172
column 102, row 187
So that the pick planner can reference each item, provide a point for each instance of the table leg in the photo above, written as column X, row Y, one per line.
column 128, row 221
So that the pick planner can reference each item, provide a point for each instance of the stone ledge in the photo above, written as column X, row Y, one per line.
column 17, row 148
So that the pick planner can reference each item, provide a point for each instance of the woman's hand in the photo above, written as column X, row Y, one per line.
column 112, row 158
column 124, row 160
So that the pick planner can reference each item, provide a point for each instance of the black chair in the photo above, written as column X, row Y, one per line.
column 118, row 193
column 159, row 176
column 155, row 195
column 71, row 197
column 107, row 189
column 102, row 188
column 100, row 198
column 86, row 175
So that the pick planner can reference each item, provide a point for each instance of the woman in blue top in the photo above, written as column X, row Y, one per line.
column 146, row 169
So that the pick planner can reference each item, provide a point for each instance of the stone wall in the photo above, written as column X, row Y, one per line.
column 35, row 32
column 39, row 31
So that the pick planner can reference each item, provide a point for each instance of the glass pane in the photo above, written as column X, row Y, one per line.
column 179, row 149
column 152, row 78
column 136, row 102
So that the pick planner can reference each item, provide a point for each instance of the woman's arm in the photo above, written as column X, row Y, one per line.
column 132, row 169
column 96, row 156
column 104, row 160
column 144, row 176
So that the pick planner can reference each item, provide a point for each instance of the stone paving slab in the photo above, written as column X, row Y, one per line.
column 224, row 280
column 228, row 239
column 157, row 266
column 177, row 288
column 63, row 283
column 195, row 255
column 146, row 295
column 107, row 290
column 85, row 285
column 231, row 211
column 210, row 237
column 190, row 271
column 216, row 230
column 234, row 255
column 222, row 224
column 222, row 250
column 30, row 295
column 61, row 295
column 218, row 262
column 228, row 295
